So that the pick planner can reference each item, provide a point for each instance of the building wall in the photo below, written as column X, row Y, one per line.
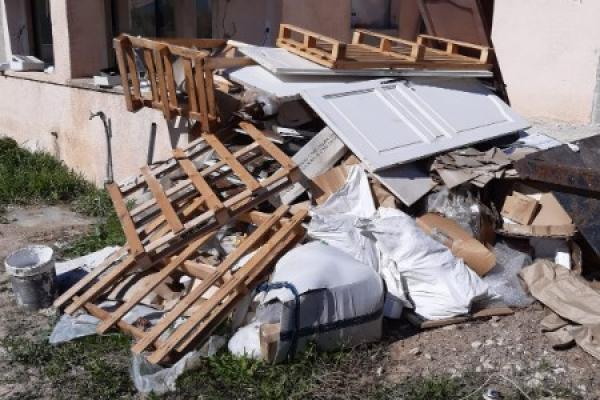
column 3, row 54
column 549, row 52
column 55, row 118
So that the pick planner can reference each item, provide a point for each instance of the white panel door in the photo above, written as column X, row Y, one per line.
column 387, row 123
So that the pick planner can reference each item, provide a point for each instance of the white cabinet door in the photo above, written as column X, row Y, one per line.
column 386, row 123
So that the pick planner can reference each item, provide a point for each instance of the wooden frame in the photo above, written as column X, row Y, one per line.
column 373, row 50
column 158, row 57
column 195, row 206
column 209, row 303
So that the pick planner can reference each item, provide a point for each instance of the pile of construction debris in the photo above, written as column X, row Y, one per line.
column 329, row 185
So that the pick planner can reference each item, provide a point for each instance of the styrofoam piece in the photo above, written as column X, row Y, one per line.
column 4, row 67
column 26, row 63
column 282, row 62
column 391, row 122
column 107, row 80
column 284, row 87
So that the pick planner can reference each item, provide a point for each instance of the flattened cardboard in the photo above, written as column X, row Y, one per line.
column 322, row 187
column 520, row 208
column 551, row 220
column 477, row 257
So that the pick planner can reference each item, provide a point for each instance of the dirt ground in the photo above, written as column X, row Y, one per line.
column 510, row 350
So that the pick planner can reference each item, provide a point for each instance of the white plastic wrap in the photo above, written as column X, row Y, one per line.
column 418, row 268
column 335, row 221
column 503, row 279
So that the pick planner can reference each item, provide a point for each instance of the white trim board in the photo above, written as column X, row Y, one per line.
column 386, row 123
column 284, row 87
column 282, row 62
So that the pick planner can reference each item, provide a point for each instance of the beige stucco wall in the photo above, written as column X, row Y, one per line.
column 331, row 18
column 30, row 111
column 549, row 52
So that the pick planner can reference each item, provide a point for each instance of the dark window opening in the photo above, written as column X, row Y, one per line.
column 41, row 30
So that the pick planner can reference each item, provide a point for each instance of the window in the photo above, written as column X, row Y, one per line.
column 41, row 30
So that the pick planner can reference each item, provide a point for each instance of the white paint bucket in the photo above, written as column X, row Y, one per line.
column 32, row 276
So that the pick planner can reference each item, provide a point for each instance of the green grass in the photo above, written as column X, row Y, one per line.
column 94, row 367
column 30, row 178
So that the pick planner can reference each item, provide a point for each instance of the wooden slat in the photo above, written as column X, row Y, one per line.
column 149, row 62
column 225, row 155
column 162, row 80
column 90, row 277
column 282, row 158
column 195, row 294
column 164, row 273
column 212, row 200
column 120, row 207
column 162, row 200
column 119, row 45
column 201, row 94
column 111, row 276
column 190, row 85
column 262, row 257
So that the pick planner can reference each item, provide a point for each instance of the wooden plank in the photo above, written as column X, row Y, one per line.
column 201, row 94
column 162, row 83
column 120, row 207
column 104, row 283
column 225, row 155
column 89, row 277
column 210, row 95
column 275, row 152
column 162, row 200
column 170, row 80
column 149, row 62
column 119, row 45
column 190, row 85
column 244, row 278
column 209, row 196
column 153, row 284
column 195, row 294
column 133, row 73
column 198, row 270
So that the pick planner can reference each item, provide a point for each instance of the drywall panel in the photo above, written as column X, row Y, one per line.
column 386, row 123
column 407, row 182
column 282, row 62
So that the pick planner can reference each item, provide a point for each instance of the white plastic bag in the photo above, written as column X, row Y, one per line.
column 334, row 222
column 417, row 267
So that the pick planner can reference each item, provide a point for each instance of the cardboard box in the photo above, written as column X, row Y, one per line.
column 478, row 257
column 520, row 208
column 550, row 221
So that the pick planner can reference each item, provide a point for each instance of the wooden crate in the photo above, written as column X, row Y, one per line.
column 158, row 56
column 374, row 50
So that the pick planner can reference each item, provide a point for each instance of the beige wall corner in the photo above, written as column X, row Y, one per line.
column 549, row 51
column 186, row 18
column 245, row 21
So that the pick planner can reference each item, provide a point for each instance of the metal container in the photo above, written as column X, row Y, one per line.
column 32, row 276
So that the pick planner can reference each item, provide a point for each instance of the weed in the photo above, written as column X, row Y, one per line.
column 92, row 367
column 29, row 178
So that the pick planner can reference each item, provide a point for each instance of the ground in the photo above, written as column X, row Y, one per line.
column 508, row 353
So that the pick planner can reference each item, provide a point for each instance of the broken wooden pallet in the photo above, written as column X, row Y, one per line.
column 374, row 50
column 209, row 302
column 196, row 100
column 194, row 207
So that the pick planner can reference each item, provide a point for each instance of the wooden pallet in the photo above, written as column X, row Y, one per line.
column 373, row 50
column 191, row 210
column 158, row 57
column 218, row 290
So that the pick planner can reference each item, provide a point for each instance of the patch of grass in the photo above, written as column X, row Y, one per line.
column 94, row 367
column 107, row 232
column 32, row 177
column 349, row 374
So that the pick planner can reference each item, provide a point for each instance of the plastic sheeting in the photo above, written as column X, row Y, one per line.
column 418, row 271
column 503, row 279
column 335, row 221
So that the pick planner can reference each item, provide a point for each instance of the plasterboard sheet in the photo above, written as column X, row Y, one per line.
column 407, row 182
column 282, row 62
column 284, row 87
column 386, row 123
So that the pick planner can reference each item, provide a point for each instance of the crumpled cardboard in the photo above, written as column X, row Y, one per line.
column 477, row 257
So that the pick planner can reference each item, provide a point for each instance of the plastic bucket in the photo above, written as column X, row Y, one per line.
column 32, row 276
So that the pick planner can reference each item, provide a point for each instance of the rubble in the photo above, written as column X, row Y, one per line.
column 328, row 196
